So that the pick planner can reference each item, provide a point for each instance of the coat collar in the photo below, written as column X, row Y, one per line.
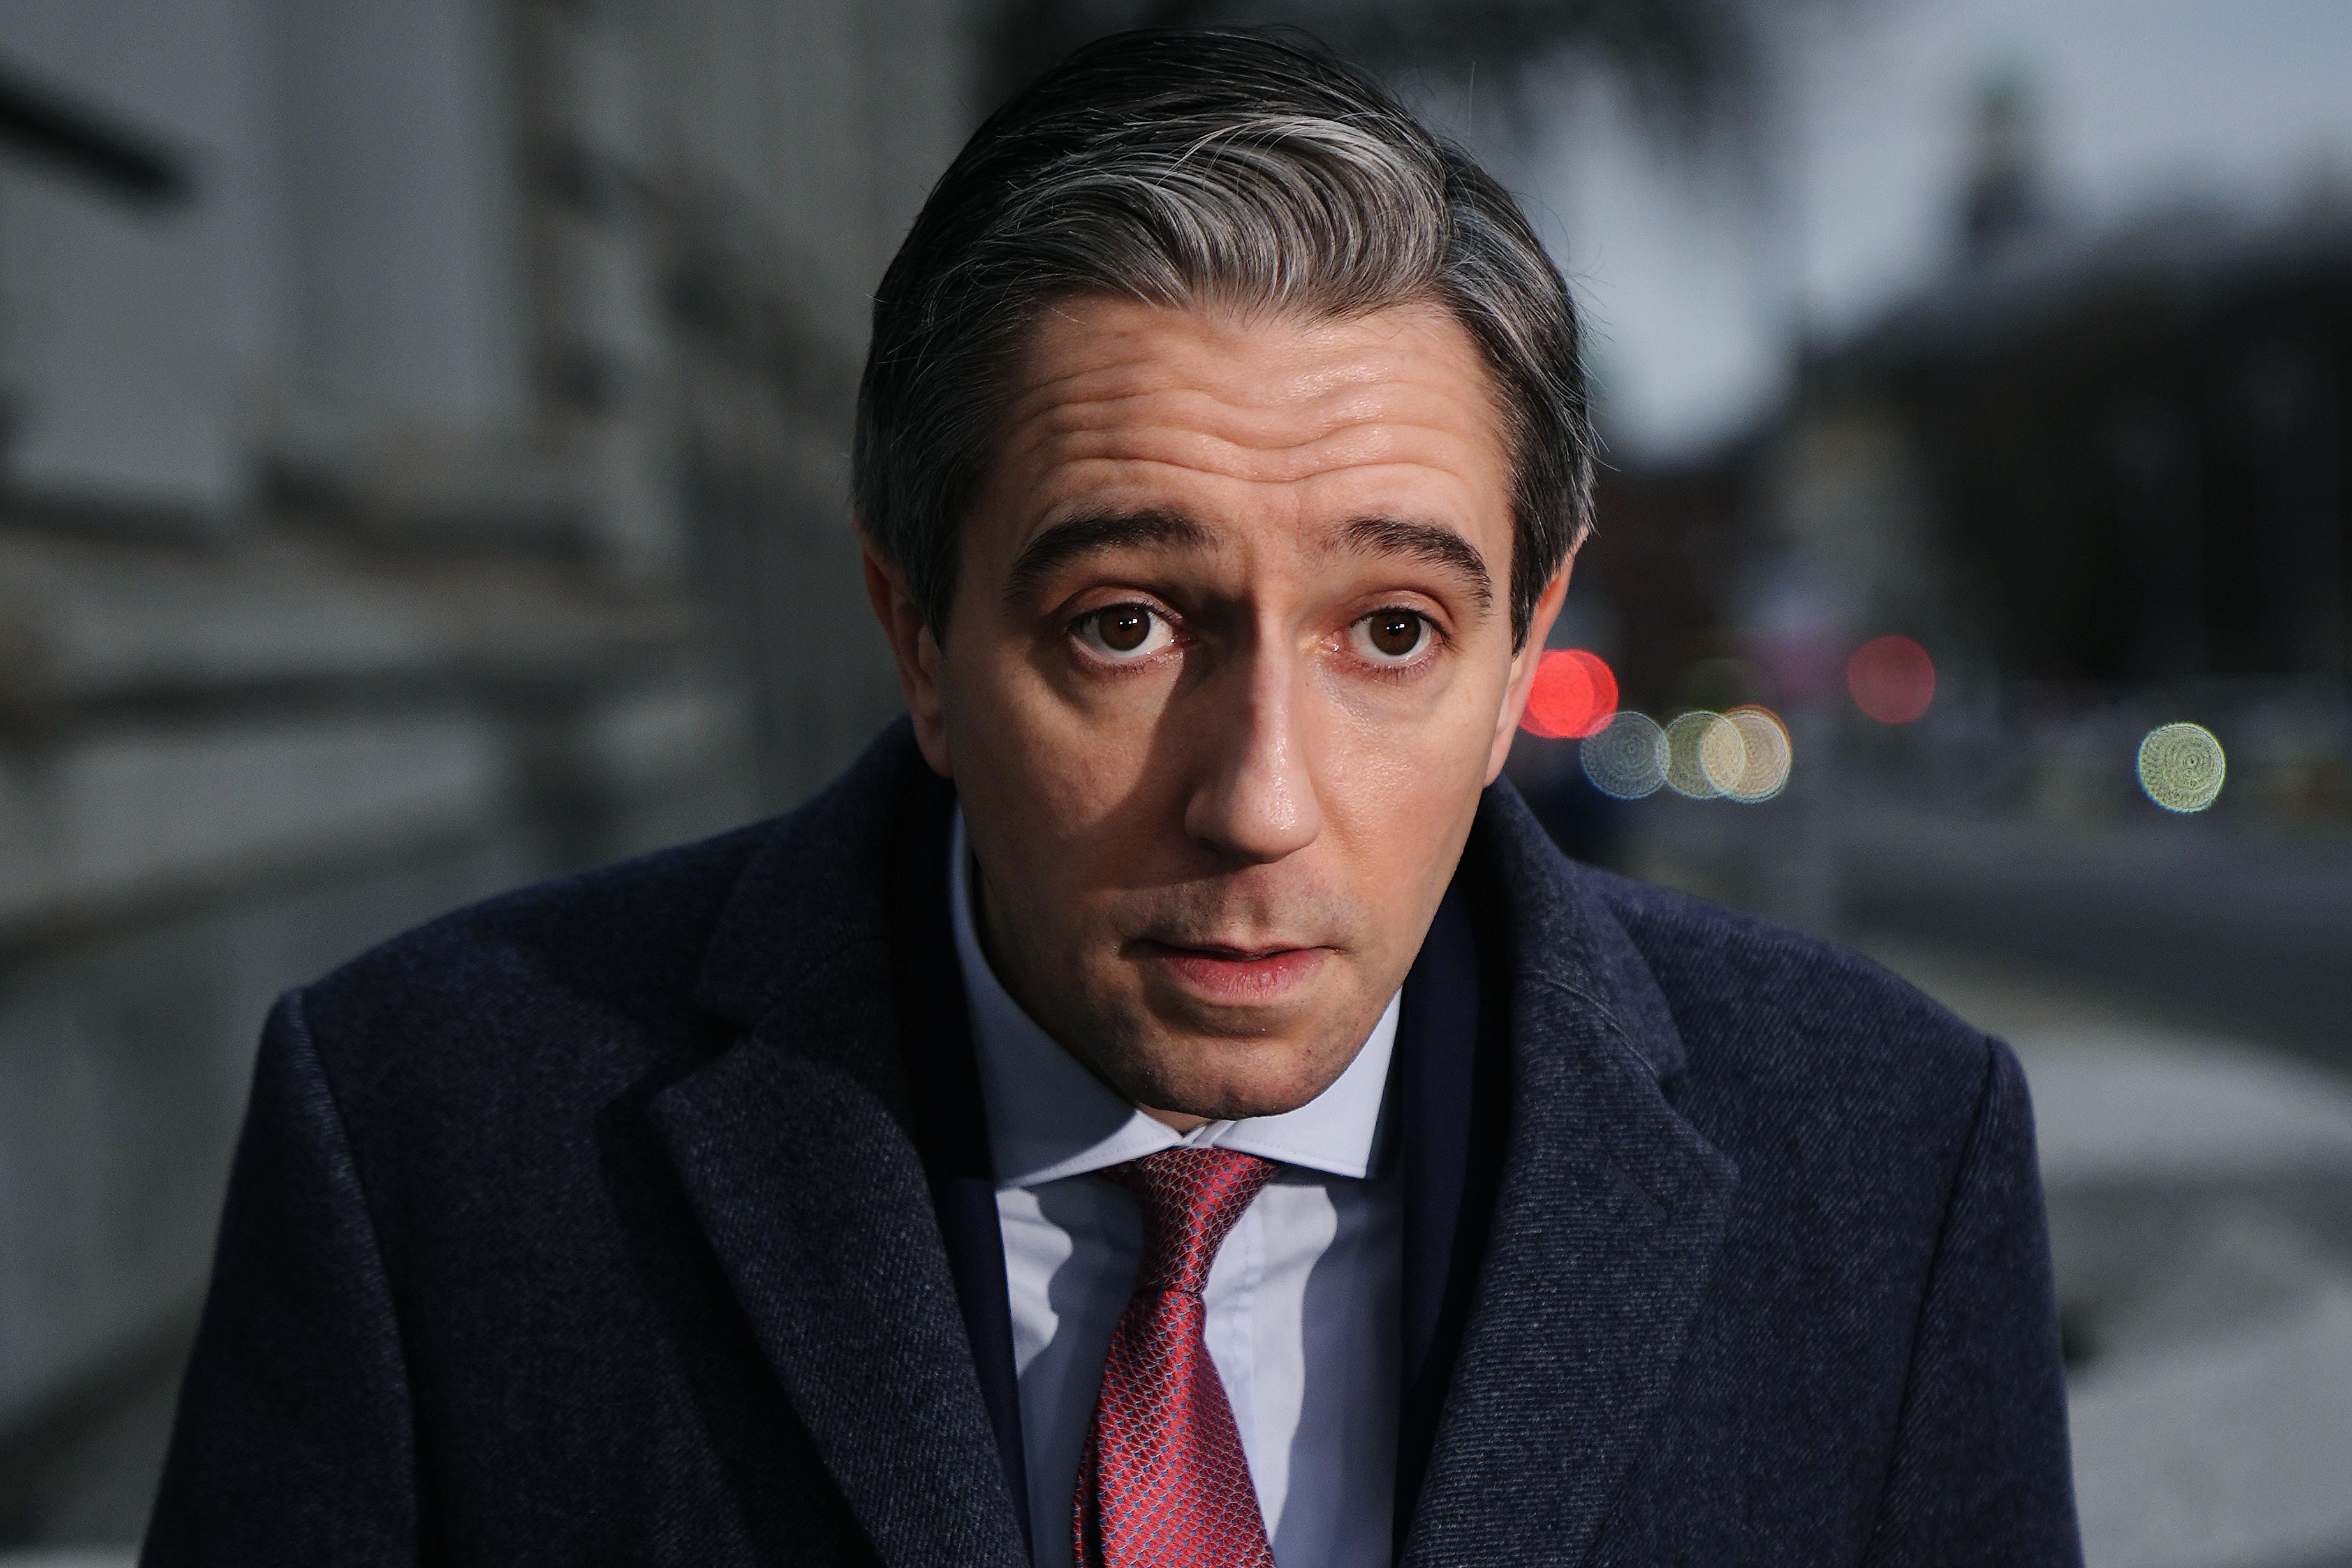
column 797, row 1148
column 1609, row 1214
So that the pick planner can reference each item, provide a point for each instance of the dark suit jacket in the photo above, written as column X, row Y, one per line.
column 642, row 1217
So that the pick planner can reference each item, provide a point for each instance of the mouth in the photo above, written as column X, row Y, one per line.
column 1232, row 975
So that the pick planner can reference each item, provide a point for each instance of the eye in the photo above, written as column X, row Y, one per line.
column 1391, row 635
column 1123, row 632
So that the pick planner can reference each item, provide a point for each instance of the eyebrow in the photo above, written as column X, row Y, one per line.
column 1430, row 543
column 1065, row 542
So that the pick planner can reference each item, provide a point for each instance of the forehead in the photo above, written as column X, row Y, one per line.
column 1118, row 403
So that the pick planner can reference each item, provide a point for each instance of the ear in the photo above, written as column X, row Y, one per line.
column 921, row 666
column 1523, row 666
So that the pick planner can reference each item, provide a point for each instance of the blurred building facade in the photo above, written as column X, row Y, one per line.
column 2127, row 453
column 425, row 470
column 2104, row 475
column 2099, row 462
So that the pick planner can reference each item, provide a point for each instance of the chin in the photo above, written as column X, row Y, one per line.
column 1228, row 1080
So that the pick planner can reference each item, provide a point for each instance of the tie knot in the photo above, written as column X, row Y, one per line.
column 1189, row 1199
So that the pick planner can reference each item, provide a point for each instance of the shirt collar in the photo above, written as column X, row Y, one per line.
column 1048, row 1117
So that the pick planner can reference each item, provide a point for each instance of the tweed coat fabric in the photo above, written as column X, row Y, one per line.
column 589, row 1225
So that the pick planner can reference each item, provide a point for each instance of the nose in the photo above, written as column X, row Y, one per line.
column 1254, row 797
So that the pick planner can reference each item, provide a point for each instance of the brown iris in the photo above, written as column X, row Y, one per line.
column 1123, row 627
column 1396, row 632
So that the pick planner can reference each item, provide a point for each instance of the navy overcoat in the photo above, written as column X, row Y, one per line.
column 640, row 1218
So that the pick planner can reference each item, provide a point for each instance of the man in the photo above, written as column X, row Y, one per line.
column 1166, row 1103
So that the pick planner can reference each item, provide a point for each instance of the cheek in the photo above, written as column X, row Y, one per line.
column 1400, row 780
column 1399, row 792
column 1059, row 774
column 1417, row 739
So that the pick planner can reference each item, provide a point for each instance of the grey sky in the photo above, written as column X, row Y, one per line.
column 1693, row 282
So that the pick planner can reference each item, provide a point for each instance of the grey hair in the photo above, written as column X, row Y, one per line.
column 1181, row 169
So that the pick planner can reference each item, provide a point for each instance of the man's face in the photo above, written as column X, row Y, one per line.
column 1229, row 660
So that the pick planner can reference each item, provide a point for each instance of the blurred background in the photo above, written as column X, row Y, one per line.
column 423, row 450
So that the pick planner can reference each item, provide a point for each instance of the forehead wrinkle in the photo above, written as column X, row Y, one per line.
column 1351, row 448
column 1386, row 401
column 1093, row 427
column 1115, row 371
column 1151, row 404
column 1301, row 395
column 1134, row 418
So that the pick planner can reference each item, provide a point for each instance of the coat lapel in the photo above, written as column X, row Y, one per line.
column 795, row 1149
column 1610, row 1213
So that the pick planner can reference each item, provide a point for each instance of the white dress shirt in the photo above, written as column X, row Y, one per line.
column 1302, row 1299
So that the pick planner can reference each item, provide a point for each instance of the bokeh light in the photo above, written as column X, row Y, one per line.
column 1626, row 756
column 1700, row 746
column 1604, row 686
column 1574, row 695
column 1766, row 754
column 2181, row 767
column 1892, row 679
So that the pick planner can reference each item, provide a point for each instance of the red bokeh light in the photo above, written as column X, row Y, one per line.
column 1892, row 679
column 1575, row 693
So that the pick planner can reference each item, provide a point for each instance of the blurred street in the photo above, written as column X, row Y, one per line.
column 2241, row 932
column 2200, row 1206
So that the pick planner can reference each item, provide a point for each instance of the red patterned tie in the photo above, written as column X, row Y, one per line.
column 1164, row 1483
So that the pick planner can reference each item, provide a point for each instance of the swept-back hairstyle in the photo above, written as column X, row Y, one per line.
column 1245, row 168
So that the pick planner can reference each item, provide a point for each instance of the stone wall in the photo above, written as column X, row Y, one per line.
column 449, row 489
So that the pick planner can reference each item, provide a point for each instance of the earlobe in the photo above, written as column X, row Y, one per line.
column 916, row 652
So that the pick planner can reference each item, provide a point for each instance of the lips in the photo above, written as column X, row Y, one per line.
column 1235, row 977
